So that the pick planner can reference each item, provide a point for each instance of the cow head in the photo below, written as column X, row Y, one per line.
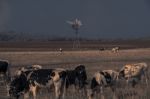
column 58, row 74
column 107, row 76
column 81, row 75
column 121, row 74
column 126, row 72
column 18, row 85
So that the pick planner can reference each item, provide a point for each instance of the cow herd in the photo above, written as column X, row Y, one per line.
column 30, row 79
column 132, row 73
column 113, row 50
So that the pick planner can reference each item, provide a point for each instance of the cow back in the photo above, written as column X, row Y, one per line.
column 3, row 66
column 41, row 76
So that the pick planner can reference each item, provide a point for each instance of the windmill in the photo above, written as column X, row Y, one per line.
column 76, row 24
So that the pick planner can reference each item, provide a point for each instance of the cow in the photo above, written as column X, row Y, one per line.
column 24, row 70
column 133, row 73
column 18, row 85
column 30, row 81
column 27, row 68
column 4, row 70
column 58, row 77
column 4, row 67
column 115, row 49
column 102, row 79
column 60, row 50
column 102, row 49
column 76, row 77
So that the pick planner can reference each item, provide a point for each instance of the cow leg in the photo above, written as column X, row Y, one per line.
column 84, row 90
column 146, row 78
column 33, row 90
column 63, row 88
column 75, row 89
column 3, row 78
column 8, row 88
column 63, row 91
column 26, row 95
column 114, row 90
column 90, row 93
column 114, row 95
column 146, row 81
column 101, row 91
column 127, row 82
column 57, row 89
column 60, row 90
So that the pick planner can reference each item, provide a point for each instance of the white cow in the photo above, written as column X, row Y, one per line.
column 133, row 72
column 115, row 49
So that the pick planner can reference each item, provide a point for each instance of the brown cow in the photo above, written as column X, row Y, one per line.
column 133, row 72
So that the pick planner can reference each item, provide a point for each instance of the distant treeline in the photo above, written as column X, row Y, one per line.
column 13, row 36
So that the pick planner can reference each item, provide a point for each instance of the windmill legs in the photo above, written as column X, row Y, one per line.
column 76, row 43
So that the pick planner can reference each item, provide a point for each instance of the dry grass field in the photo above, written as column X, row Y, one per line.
column 94, row 60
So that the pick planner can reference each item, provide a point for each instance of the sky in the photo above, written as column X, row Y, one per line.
column 100, row 18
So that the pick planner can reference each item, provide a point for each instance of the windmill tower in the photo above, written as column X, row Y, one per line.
column 76, row 24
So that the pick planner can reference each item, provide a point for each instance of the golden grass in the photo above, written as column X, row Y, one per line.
column 92, row 59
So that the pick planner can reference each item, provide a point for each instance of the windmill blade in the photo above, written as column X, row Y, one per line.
column 79, row 22
column 70, row 22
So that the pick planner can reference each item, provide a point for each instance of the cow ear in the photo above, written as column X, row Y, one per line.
column 76, row 68
column 102, row 73
column 52, row 74
column 83, row 67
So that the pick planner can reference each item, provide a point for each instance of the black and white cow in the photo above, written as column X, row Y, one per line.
column 102, row 79
column 76, row 77
column 32, row 80
column 18, row 86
